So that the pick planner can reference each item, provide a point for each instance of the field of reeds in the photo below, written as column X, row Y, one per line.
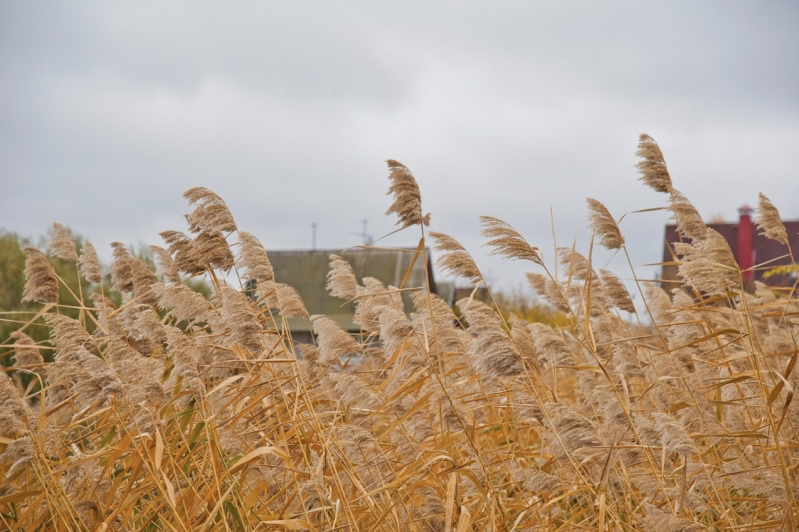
column 181, row 413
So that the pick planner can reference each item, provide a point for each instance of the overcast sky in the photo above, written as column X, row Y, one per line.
column 110, row 110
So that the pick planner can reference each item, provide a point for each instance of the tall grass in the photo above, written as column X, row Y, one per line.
column 180, row 413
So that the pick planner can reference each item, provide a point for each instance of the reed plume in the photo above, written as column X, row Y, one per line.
column 333, row 341
column 90, row 264
column 121, row 272
column 210, row 213
column 41, row 283
column 689, row 222
column 615, row 291
column 61, row 244
column 166, row 264
column 604, row 226
column 653, row 167
column 506, row 241
column 341, row 280
column 454, row 259
column 239, row 315
column 286, row 299
column 768, row 219
column 253, row 260
column 407, row 203
column 187, row 255
column 492, row 352
column 26, row 352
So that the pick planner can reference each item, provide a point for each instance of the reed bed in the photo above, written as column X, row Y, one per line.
column 181, row 413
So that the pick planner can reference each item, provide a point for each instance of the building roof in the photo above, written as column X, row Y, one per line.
column 307, row 271
column 768, row 253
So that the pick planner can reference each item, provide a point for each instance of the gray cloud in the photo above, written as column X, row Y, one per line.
column 109, row 111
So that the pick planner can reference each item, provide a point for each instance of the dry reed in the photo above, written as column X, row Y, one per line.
column 182, row 413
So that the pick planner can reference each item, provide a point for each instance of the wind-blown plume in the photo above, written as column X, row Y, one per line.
column 211, row 212
column 61, row 244
column 615, row 290
column 188, row 258
column 186, row 304
column 41, row 282
column 653, row 167
column 252, row 258
column 333, row 340
column 341, row 280
column 288, row 301
column 90, row 264
column 673, row 436
column 547, row 289
column 143, row 280
column 604, row 226
column 12, row 409
column 454, row 258
column 687, row 218
column 121, row 272
column 768, row 219
column 239, row 315
column 492, row 352
column 166, row 264
column 507, row 242
column 407, row 197
column 551, row 348
column 27, row 352
column 214, row 250
column 374, row 296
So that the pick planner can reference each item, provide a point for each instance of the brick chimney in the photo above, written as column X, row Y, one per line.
column 746, row 248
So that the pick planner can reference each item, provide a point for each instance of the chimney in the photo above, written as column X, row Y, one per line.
column 746, row 247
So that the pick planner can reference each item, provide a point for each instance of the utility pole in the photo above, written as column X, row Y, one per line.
column 313, row 236
column 365, row 237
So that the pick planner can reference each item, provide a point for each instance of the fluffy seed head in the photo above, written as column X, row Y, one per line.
column 333, row 340
column 253, row 259
column 603, row 225
column 211, row 212
column 341, row 280
column 41, row 283
column 768, row 219
column 288, row 301
column 61, row 244
column 188, row 257
column 407, row 197
column 653, row 167
column 687, row 218
column 166, row 264
column 506, row 241
column 27, row 352
column 454, row 258
column 90, row 264
column 121, row 272
column 615, row 290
